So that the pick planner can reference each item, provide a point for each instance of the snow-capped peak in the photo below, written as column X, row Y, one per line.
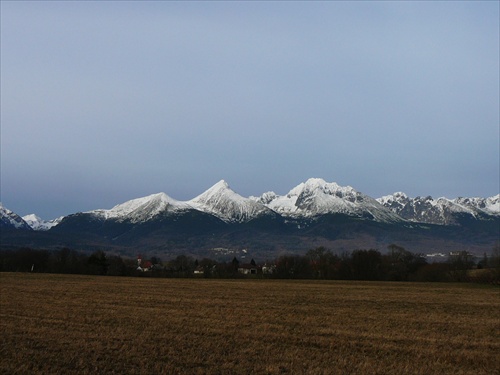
column 317, row 197
column 221, row 201
column 321, row 186
column 221, row 186
column 10, row 219
column 32, row 218
column 36, row 223
column 142, row 209
column 388, row 199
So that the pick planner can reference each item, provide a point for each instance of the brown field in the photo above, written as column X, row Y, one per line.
column 64, row 324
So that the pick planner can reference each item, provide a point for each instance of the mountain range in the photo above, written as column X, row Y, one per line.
column 314, row 213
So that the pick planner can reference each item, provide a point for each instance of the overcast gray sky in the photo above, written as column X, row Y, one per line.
column 102, row 102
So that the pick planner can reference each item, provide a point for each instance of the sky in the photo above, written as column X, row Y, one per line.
column 103, row 102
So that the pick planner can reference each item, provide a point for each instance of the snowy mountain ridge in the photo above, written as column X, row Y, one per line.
column 9, row 219
column 142, row 209
column 318, row 197
column 37, row 223
column 441, row 210
column 219, row 201
column 310, row 199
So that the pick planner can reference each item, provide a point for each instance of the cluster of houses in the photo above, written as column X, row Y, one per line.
column 145, row 266
column 253, row 269
column 245, row 269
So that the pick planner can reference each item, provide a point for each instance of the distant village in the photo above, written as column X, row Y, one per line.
column 251, row 268
column 396, row 264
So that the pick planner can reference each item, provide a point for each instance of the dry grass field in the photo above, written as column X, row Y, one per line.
column 65, row 324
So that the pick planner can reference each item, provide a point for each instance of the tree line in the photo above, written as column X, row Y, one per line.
column 397, row 264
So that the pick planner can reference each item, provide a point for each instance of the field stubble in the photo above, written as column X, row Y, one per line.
column 90, row 324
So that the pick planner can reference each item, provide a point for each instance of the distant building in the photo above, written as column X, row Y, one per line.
column 143, row 266
column 268, row 269
column 248, row 269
